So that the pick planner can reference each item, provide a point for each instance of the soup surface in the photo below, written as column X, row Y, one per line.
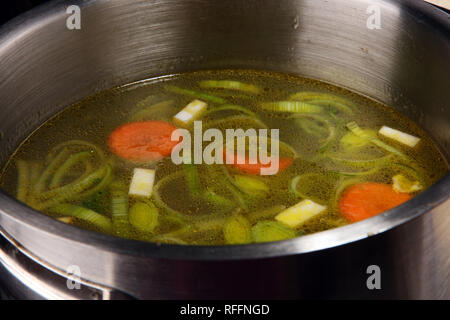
column 326, row 158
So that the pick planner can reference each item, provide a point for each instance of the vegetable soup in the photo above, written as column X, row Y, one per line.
column 131, row 161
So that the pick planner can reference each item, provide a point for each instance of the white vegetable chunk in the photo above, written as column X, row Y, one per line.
column 194, row 110
column 300, row 213
column 142, row 182
column 399, row 136
column 402, row 184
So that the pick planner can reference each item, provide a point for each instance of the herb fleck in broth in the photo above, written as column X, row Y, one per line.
column 79, row 165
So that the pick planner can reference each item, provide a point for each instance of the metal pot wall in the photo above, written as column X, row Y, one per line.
column 45, row 67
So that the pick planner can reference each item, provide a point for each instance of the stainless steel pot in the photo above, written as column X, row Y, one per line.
column 45, row 67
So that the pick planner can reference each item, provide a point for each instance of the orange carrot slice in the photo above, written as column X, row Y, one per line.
column 255, row 168
column 142, row 141
column 368, row 199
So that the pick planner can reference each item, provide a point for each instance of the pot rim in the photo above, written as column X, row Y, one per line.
column 420, row 204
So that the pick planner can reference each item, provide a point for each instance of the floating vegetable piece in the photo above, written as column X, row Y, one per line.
column 408, row 170
column 317, row 125
column 193, row 111
column 301, row 212
column 237, row 230
column 35, row 172
column 80, row 189
column 230, row 184
column 142, row 182
column 313, row 186
column 257, row 168
column 229, row 84
column 157, row 198
column 216, row 199
column 364, row 200
column 399, row 136
column 144, row 216
column 102, row 184
column 291, row 106
column 266, row 231
column 54, row 164
column 143, row 141
column 78, row 145
column 71, row 174
column 119, row 208
column 353, row 127
column 312, row 95
column 73, row 160
column 352, row 141
column 293, row 185
column 97, row 202
column 251, row 185
column 68, row 220
column 400, row 183
column 90, row 216
column 343, row 185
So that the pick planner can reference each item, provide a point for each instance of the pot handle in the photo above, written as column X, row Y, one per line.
column 26, row 276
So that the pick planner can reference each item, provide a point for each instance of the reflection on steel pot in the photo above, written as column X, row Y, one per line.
column 400, row 59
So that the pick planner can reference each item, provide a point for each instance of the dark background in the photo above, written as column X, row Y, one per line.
column 11, row 8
